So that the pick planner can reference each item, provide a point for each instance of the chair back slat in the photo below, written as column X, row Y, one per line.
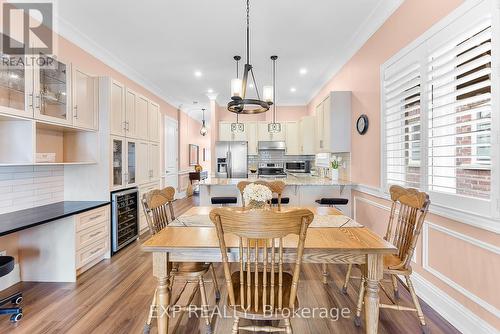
column 261, row 234
column 408, row 210
column 157, row 204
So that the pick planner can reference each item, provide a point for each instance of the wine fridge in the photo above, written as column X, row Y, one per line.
column 124, row 218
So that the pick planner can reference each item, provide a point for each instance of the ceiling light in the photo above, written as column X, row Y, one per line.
column 303, row 71
column 13, row 76
column 293, row 89
column 198, row 74
column 251, row 85
column 210, row 90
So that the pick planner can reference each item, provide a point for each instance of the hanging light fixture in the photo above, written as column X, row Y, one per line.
column 239, row 104
column 235, row 89
column 203, row 130
column 274, row 127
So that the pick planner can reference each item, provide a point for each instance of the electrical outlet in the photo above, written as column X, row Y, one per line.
column 3, row 253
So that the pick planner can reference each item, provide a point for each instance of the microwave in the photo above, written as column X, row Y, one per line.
column 298, row 166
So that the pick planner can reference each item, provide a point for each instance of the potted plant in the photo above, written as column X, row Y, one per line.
column 334, row 167
column 257, row 195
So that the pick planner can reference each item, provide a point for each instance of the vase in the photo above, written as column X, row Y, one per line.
column 334, row 174
column 256, row 205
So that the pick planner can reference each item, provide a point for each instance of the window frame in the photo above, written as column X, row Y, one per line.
column 473, row 11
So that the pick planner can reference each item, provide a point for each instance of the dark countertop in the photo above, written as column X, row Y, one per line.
column 19, row 220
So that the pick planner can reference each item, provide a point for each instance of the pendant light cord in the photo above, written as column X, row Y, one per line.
column 248, row 31
column 274, row 90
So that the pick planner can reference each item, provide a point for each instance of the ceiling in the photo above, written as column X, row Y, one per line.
column 161, row 44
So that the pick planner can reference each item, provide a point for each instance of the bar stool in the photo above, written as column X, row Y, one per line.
column 6, row 266
column 332, row 201
column 223, row 201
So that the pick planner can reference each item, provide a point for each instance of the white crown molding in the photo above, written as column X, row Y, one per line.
column 81, row 40
column 382, row 11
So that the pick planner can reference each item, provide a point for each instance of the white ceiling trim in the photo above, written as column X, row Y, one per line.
column 68, row 31
column 383, row 10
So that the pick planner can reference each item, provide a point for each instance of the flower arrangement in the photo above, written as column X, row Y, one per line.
column 335, row 162
column 256, row 195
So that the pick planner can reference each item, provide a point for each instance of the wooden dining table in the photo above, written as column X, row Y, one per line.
column 331, row 239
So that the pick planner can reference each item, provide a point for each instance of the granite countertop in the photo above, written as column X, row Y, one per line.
column 291, row 180
column 19, row 220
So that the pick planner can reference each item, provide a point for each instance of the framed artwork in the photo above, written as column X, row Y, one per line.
column 194, row 154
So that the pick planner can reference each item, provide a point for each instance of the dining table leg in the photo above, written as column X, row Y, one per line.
column 374, row 273
column 161, row 270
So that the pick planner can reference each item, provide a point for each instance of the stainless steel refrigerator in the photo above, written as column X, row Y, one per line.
column 232, row 159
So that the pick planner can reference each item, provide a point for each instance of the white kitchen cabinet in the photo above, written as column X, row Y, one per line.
column 118, row 160
column 143, row 162
column 292, row 138
column 333, row 123
column 225, row 131
column 131, row 114
column 154, row 122
column 16, row 89
column 84, row 100
column 307, row 135
column 251, row 130
column 51, row 93
column 262, row 133
column 132, row 162
column 154, row 161
column 142, row 119
column 279, row 136
column 117, row 123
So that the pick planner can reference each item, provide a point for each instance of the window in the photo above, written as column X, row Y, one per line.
column 439, row 116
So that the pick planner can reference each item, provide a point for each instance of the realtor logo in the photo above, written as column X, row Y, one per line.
column 27, row 28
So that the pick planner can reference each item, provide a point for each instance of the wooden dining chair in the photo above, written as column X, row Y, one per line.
column 241, row 187
column 276, row 187
column 157, row 205
column 261, row 290
column 408, row 211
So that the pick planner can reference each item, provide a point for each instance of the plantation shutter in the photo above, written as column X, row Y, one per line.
column 459, row 115
column 402, row 124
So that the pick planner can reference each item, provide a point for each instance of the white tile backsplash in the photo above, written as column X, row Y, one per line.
column 23, row 187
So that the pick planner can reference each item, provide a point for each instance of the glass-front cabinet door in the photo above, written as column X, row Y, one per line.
column 130, row 175
column 117, row 162
column 16, row 88
column 51, row 82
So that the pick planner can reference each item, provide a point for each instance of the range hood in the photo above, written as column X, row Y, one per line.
column 272, row 145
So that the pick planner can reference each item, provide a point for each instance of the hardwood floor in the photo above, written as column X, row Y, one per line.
column 114, row 297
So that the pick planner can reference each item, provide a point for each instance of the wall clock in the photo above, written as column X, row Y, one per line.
column 362, row 124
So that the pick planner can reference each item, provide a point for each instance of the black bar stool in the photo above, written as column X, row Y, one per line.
column 222, row 201
column 332, row 201
column 284, row 200
column 6, row 266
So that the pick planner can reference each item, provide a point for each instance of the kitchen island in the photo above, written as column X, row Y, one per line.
column 303, row 190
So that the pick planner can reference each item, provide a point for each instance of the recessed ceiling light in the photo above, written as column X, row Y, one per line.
column 303, row 71
column 293, row 89
column 210, row 90
column 250, row 85
column 197, row 74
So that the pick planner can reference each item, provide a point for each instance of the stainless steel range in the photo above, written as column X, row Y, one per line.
column 272, row 169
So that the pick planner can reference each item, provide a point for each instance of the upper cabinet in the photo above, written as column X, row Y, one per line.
column 85, row 110
column 307, row 137
column 117, row 125
column 154, row 122
column 292, row 138
column 16, row 89
column 333, row 123
column 51, row 93
column 131, row 106
column 141, row 117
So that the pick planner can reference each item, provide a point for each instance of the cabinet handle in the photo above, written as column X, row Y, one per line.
column 39, row 100
column 124, row 126
column 94, row 218
column 30, row 100
column 76, row 111
column 94, row 234
column 95, row 251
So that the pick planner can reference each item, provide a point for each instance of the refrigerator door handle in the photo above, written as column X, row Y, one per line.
column 229, row 168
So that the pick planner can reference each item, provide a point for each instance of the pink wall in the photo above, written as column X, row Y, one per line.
column 475, row 267
column 361, row 75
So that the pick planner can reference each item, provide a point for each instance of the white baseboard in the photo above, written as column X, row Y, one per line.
column 12, row 278
column 454, row 312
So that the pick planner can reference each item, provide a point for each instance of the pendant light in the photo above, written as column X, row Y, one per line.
column 203, row 130
column 237, row 127
column 274, row 127
column 239, row 104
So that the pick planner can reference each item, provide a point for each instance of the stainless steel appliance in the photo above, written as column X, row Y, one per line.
column 124, row 218
column 232, row 159
column 298, row 166
column 272, row 146
column 271, row 169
